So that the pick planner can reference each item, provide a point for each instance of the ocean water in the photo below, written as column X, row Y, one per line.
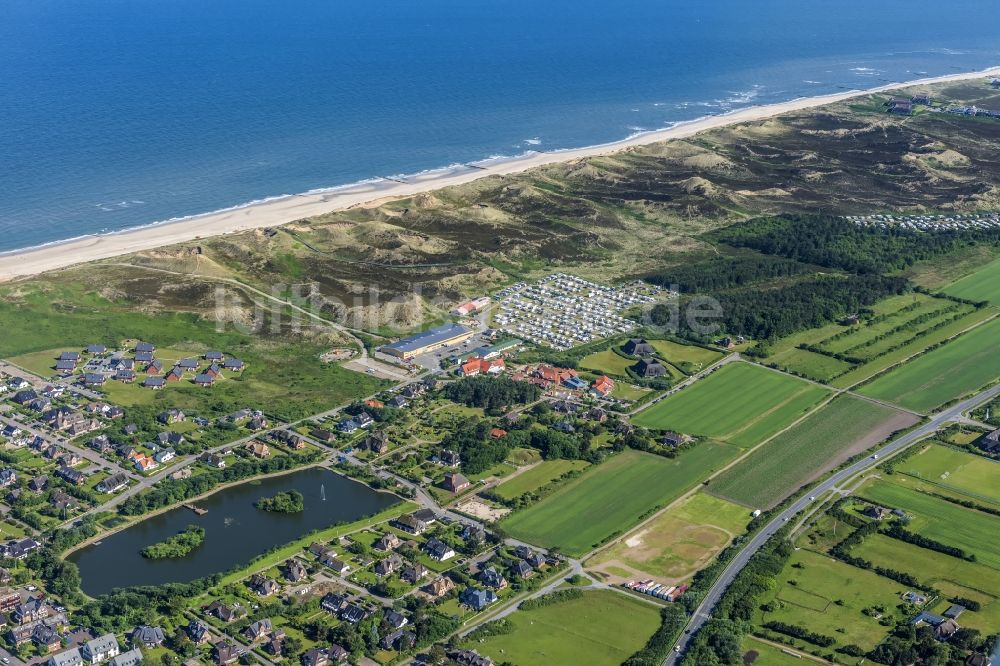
column 120, row 113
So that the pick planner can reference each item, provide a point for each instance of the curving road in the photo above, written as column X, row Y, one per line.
column 703, row 612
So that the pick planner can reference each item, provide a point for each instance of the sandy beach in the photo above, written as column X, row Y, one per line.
column 288, row 209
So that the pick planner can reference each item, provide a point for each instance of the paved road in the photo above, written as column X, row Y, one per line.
column 703, row 613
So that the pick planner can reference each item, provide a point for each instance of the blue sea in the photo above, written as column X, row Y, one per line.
column 120, row 113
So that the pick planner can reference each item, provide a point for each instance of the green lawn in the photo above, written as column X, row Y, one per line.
column 955, row 470
column 678, row 353
column 609, row 498
column 813, row 446
column 756, row 653
column 951, row 371
column 537, row 476
column 815, row 366
column 983, row 285
column 601, row 628
column 680, row 541
column 607, row 362
column 954, row 577
column 806, row 595
column 941, row 520
column 740, row 403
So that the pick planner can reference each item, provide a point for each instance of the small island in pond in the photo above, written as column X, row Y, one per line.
column 290, row 501
column 178, row 545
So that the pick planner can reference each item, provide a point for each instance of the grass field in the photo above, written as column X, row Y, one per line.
column 740, row 403
column 807, row 595
column 983, row 285
column 955, row 470
column 679, row 542
column 537, row 476
column 602, row 628
column 940, row 520
column 678, row 353
column 963, row 365
column 813, row 446
column 609, row 498
column 954, row 577
column 607, row 362
column 756, row 653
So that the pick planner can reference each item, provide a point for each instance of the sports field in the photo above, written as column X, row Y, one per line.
column 611, row 497
column 679, row 542
column 808, row 593
column 955, row 470
column 983, row 285
column 536, row 477
column 817, row 444
column 739, row 403
column 950, row 371
column 601, row 628
column 941, row 520
column 954, row 577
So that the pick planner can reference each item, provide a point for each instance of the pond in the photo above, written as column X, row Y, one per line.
column 235, row 530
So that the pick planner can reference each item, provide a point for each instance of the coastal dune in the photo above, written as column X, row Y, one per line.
column 283, row 210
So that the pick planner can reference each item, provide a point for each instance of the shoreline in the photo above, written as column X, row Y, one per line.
column 280, row 210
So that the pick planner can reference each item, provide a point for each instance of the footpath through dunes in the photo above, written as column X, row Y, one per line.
column 741, row 403
column 843, row 428
column 952, row 370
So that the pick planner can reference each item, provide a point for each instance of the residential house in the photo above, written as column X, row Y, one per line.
column 131, row 658
column 96, row 349
column 144, row 463
column 155, row 383
column 295, row 571
column 321, row 435
column 410, row 524
column 603, row 386
column 638, row 347
column 204, row 379
column 427, row 516
column 228, row 652
column 333, row 603
column 398, row 640
column 288, row 438
column 990, row 442
column 469, row 658
column 20, row 549
column 198, row 632
column 876, row 512
column 347, row 426
column 45, row 635
column 649, row 367
column 175, row 375
column 439, row 587
column 9, row 599
column 490, row 577
column 389, row 565
column 354, row 613
column 398, row 402
column 153, row 366
column 258, row 449
column 8, row 477
column 145, row 347
column 212, row 460
column 377, row 443
column 339, row 566
column 214, row 356
column 164, row 455
column 450, row 458
column 439, row 550
column 72, row 476
column 455, row 482
column 259, row 630
column 225, row 612
column 522, row 569
column 263, row 586
column 477, row 599
column 234, row 364
column 147, row 635
column 414, row 573
column 65, row 367
column 315, row 657
column 31, row 610
column 473, row 533
column 497, row 433
column 69, row 657
column 388, row 542
column 673, row 439
column 363, row 419
column 171, row 416
column 337, row 654
column 101, row 444
column 100, row 649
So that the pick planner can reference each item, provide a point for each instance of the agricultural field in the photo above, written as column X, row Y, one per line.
column 954, row 577
column 955, row 470
column 740, row 403
column 941, row 520
column 601, row 628
column 536, row 477
column 678, row 543
column 899, row 327
column 950, row 371
column 844, row 427
column 983, row 285
column 825, row 595
column 611, row 497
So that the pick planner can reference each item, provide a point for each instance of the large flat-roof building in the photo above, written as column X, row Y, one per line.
column 428, row 341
